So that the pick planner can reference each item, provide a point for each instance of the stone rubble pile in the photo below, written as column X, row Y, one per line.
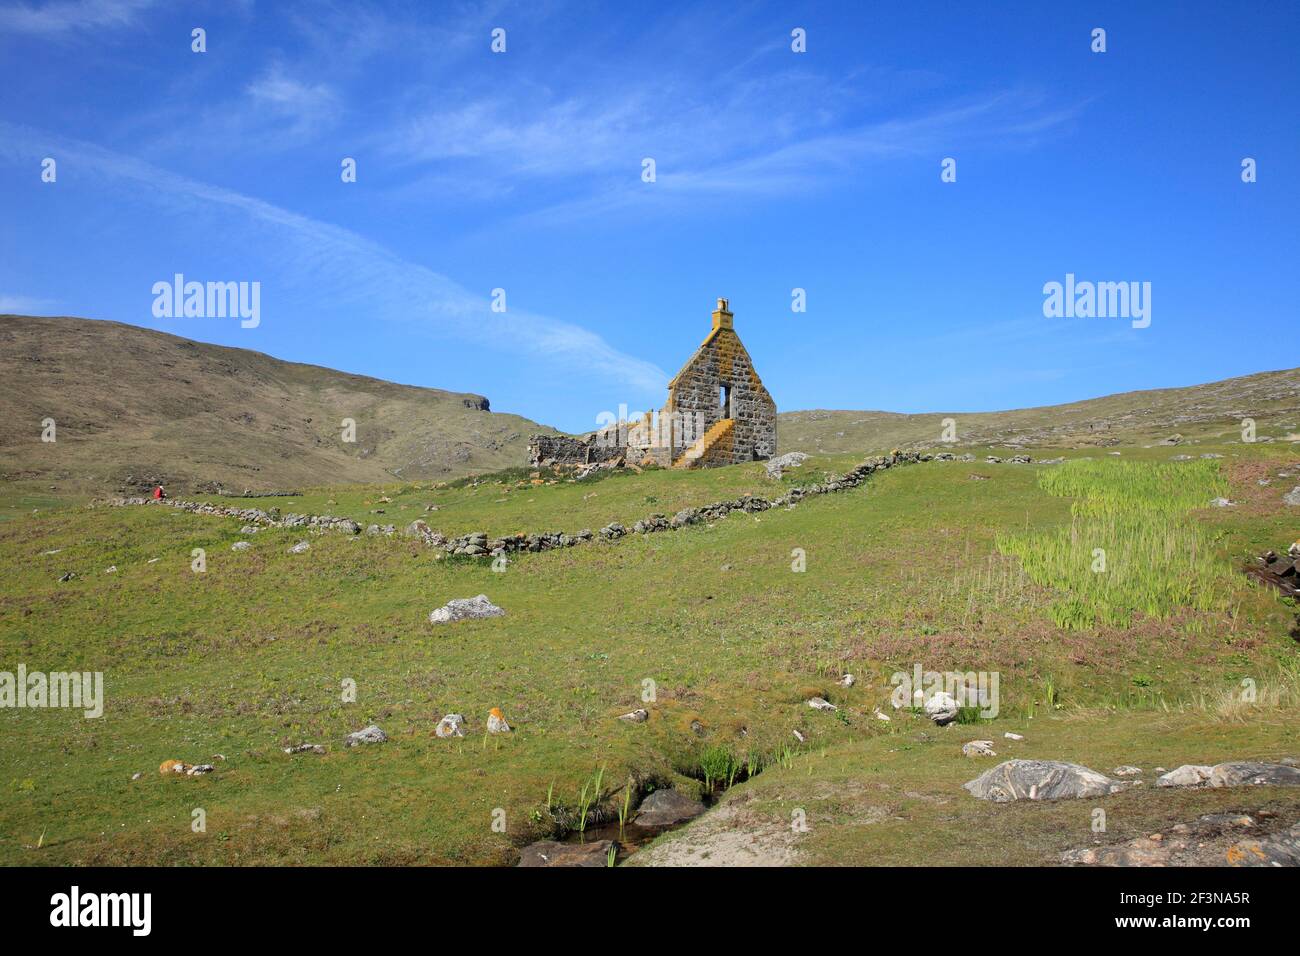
column 1282, row 572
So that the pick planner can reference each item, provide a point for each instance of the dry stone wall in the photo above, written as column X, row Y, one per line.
column 479, row 544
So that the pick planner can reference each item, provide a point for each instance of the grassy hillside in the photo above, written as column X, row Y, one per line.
column 962, row 566
column 130, row 402
column 249, row 656
column 1210, row 412
column 133, row 402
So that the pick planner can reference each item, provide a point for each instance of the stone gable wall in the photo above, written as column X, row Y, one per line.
column 723, row 361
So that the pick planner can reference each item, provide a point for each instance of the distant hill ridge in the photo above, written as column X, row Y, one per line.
column 133, row 406
column 134, row 403
column 1199, row 412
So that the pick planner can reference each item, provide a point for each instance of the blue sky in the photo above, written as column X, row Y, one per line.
column 775, row 170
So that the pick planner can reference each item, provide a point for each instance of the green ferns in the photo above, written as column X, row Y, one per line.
column 1130, row 546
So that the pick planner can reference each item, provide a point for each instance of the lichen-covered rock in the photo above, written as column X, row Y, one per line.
column 1281, row 849
column 496, row 722
column 978, row 748
column 462, row 609
column 1041, row 780
column 300, row 547
column 452, row 725
column 368, row 735
column 186, row 769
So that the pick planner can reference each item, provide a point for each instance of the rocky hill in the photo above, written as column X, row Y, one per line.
column 132, row 406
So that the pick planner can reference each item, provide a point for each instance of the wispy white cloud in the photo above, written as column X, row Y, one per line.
column 810, row 159
column 59, row 17
column 304, row 105
column 343, row 267
column 532, row 133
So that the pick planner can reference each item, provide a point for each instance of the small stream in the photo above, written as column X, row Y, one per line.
column 631, row 837
column 628, row 839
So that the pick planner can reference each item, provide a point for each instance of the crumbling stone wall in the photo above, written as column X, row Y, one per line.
column 546, row 450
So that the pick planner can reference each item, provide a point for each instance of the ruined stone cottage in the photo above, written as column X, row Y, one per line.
column 717, row 413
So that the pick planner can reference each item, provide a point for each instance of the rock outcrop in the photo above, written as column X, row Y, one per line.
column 1041, row 780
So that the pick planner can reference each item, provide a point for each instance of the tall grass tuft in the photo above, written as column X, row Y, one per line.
column 589, row 797
column 718, row 764
column 625, row 807
column 1130, row 547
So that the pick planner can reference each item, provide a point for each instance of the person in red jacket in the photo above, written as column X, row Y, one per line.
column 158, row 493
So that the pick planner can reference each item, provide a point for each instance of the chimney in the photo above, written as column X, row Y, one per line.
column 722, row 316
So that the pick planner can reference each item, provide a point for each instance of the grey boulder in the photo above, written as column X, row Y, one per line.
column 452, row 725
column 664, row 808
column 1251, row 774
column 370, row 735
column 1239, row 773
column 776, row 466
column 463, row 609
column 1041, row 780
column 942, row 708
column 553, row 853
column 1188, row 775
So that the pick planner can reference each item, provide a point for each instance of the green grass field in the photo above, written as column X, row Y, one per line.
column 920, row 565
